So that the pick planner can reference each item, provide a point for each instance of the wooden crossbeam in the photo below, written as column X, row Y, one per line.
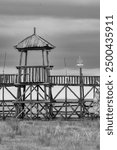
column 30, row 92
column 88, row 92
column 74, row 111
column 58, row 93
column 39, row 93
column 87, row 108
column 23, row 93
column 43, row 91
column 10, row 111
column 73, row 93
column 58, row 110
column 11, row 93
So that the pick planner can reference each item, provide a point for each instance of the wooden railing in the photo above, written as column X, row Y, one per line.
column 8, row 78
column 75, row 80
column 33, row 73
column 39, row 75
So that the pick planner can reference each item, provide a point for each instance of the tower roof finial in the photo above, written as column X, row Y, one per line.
column 34, row 30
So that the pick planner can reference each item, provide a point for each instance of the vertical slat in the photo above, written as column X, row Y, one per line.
column 35, row 74
column 29, row 74
column 39, row 76
column 32, row 74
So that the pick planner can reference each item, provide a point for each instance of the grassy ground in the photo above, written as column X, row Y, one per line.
column 50, row 135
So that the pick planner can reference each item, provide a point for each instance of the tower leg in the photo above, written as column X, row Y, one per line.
column 23, row 105
column 81, row 94
column 46, row 104
column 37, row 100
column 51, row 103
column 18, row 106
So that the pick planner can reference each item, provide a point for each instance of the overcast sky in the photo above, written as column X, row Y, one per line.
column 71, row 25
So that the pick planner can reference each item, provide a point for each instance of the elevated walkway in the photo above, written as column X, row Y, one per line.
column 13, row 80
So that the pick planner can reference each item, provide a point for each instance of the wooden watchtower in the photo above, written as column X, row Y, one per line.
column 36, row 94
column 32, row 77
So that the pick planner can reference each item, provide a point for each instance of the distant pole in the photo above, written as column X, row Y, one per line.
column 3, row 86
column 4, row 63
column 65, row 66
column 80, row 65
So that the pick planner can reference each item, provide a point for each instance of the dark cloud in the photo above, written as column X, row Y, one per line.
column 69, row 45
column 49, row 9
column 72, row 46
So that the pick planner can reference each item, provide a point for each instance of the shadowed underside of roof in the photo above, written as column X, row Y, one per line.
column 34, row 42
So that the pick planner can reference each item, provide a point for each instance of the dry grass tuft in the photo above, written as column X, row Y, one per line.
column 0, row 140
column 14, row 125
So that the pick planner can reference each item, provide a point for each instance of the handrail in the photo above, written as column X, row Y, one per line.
column 40, row 75
column 8, row 78
column 33, row 67
column 87, row 80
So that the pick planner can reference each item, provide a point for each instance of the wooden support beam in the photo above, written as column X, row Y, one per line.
column 37, row 100
column 73, row 93
column 11, row 93
column 3, row 101
column 58, row 111
column 81, row 93
column 31, row 103
column 43, row 60
column 74, row 111
column 88, row 92
column 66, row 102
column 59, row 92
column 47, row 57
column 20, row 61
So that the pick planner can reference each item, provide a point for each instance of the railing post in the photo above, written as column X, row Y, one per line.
column 65, row 102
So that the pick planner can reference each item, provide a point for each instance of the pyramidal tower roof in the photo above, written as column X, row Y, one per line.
column 34, row 42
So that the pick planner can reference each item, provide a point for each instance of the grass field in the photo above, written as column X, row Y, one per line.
column 50, row 135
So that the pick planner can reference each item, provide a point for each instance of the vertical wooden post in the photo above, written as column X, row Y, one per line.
column 37, row 100
column 46, row 105
column 47, row 57
column 93, row 92
column 26, row 54
column 48, row 70
column 20, row 63
column 81, row 94
column 19, row 88
column 51, row 100
column 31, row 102
column 21, row 55
column 43, row 58
column 25, row 69
column 3, row 102
column 66, row 102
column 24, row 87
